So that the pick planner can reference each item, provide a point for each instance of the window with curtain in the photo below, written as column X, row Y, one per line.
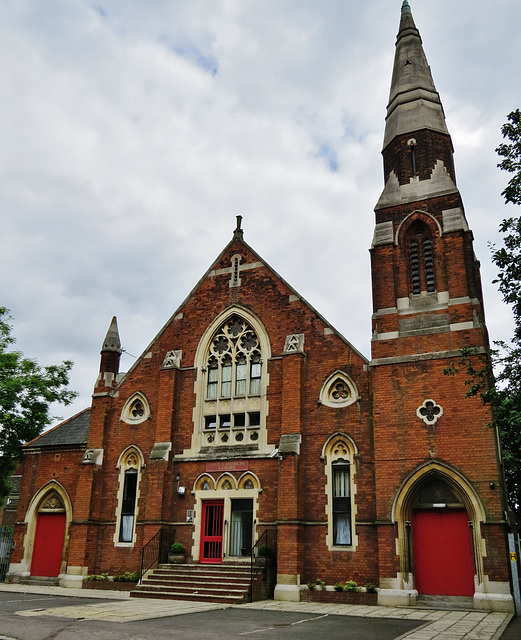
column 341, row 503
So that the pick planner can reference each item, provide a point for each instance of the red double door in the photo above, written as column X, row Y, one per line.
column 443, row 559
column 48, row 544
column 212, row 532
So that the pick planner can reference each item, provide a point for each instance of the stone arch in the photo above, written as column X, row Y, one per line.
column 205, row 482
column 125, row 457
column 338, row 390
column 42, row 503
column 226, row 482
column 136, row 409
column 334, row 441
column 249, row 480
column 402, row 510
column 424, row 216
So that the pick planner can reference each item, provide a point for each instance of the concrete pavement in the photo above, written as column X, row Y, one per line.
column 438, row 625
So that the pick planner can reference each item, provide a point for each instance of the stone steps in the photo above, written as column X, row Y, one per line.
column 206, row 583
column 456, row 603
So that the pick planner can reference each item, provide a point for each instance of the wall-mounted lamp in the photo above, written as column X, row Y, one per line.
column 180, row 490
column 492, row 485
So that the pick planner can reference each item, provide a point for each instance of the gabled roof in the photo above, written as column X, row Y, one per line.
column 213, row 269
column 74, row 431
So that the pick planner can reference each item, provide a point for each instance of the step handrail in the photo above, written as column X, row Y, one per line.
column 263, row 540
column 155, row 550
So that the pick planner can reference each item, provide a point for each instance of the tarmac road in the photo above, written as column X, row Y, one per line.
column 215, row 624
column 56, row 614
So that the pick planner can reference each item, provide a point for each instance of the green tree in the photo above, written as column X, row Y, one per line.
column 26, row 393
column 497, row 380
column 511, row 153
column 506, row 399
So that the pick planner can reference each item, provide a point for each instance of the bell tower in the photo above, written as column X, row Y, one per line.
column 426, row 288
column 429, row 439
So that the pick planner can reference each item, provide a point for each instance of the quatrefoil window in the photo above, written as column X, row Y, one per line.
column 429, row 411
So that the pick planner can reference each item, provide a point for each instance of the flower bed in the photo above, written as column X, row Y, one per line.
column 109, row 585
column 339, row 597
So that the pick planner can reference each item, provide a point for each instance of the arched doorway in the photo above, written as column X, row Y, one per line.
column 49, row 537
column 438, row 516
column 442, row 542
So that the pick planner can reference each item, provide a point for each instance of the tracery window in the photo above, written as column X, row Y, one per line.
column 421, row 262
column 234, row 377
column 136, row 409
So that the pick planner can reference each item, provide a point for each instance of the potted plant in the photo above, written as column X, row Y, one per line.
column 176, row 555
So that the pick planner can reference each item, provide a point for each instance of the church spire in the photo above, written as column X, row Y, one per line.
column 414, row 103
column 112, row 342
column 109, row 363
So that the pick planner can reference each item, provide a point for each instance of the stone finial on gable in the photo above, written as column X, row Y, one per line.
column 238, row 232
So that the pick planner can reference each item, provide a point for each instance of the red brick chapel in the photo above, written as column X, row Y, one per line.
column 249, row 412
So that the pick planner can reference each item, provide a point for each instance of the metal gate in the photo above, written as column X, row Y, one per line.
column 6, row 545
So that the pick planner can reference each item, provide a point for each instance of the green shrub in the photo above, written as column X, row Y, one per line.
column 98, row 577
column 320, row 583
column 263, row 551
column 350, row 586
column 338, row 586
column 177, row 548
column 370, row 588
column 312, row 586
column 128, row 576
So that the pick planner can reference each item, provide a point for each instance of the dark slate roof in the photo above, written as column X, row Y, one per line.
column 74, row 431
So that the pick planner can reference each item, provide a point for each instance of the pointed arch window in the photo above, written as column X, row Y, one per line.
column 234, row 382
column 341, row 503
column 130, row 465
column 234, row 362
column 339, row 454
column 421, row 260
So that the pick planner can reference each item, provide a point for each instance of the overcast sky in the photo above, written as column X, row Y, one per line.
column 133, row 132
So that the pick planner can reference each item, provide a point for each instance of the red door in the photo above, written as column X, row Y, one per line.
column 212, row 532
column 48, row 544
column 443, row 561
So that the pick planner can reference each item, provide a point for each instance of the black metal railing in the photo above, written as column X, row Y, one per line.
column 155, row 551
column 6, row 545
column 262, row 556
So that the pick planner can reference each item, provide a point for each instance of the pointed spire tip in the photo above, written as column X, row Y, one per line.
column 112, row 342
column 406, row 8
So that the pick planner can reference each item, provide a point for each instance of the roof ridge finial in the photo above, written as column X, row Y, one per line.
column 238, row 233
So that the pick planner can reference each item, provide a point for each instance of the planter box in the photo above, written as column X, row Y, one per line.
column 176, row 558
column 109, row 585
column 339, row 597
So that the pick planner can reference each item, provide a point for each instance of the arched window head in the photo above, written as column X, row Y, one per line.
column 421, row 260
column 204, row 483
